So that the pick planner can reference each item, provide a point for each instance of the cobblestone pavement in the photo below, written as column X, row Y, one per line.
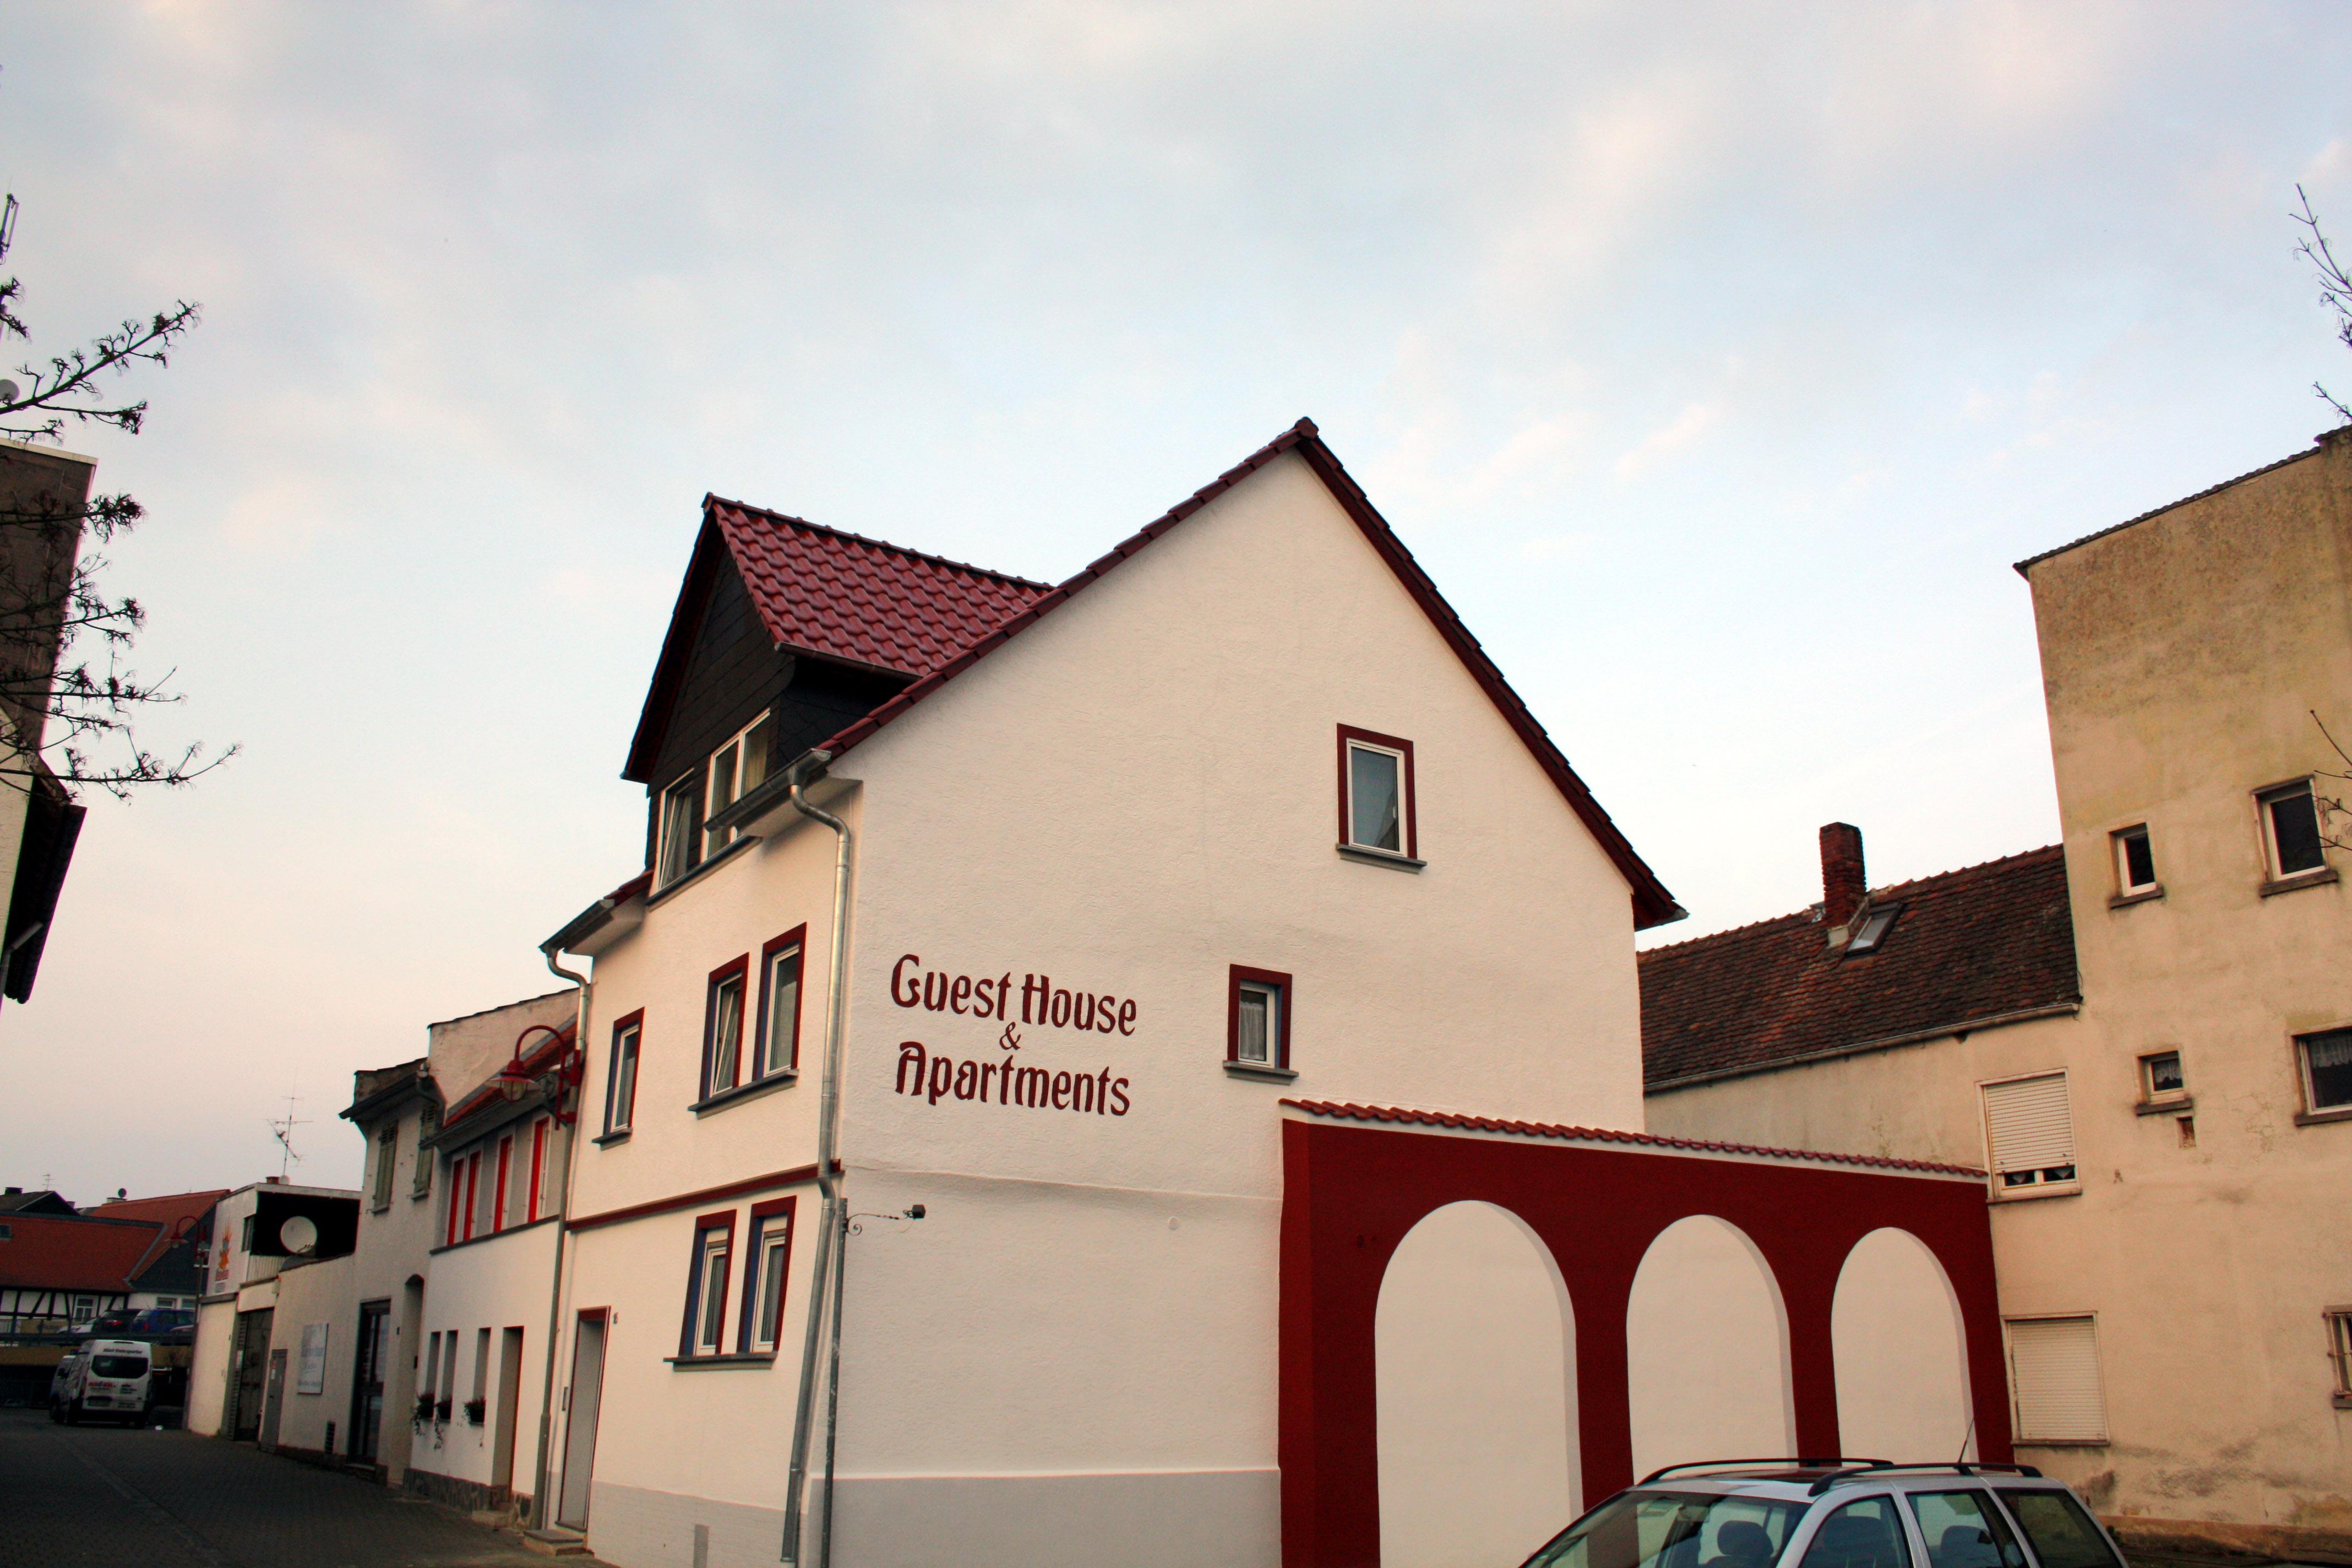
column 100, row 1495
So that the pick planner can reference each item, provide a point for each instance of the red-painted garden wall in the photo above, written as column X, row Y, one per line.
column 1351, row 1192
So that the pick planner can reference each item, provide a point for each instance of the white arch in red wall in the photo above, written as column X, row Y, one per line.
column 1706, row 1349
column 1901, row 1347
column 1475, row 1347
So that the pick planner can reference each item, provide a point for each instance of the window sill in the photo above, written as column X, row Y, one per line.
column 743, row 1091
column 1379, row 857
column 2313, row 1118
column 383, row 1207
column 2300, row 880
column 2028, row 1195
column 2341, row 1400
column 709, row 865
column 2143, row 895
column 1261, row 1070
column 721, row 1362
column 619, row 1135
column 2165, row 1107
column 2061, row 1442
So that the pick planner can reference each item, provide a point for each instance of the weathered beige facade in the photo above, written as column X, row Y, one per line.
column 2204, row 1234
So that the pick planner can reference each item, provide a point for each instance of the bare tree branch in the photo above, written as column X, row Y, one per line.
column 2335, row 290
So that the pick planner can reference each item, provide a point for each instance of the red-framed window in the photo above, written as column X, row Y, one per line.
column 621, row 1080
column 1376, row 794
column 456, row 1198
column 537, row 1165
column 767, row 1273
column 499, row 1193
column 705, row 1285
column 1257, row 1017
column 722, row 1026
column 777, row 1040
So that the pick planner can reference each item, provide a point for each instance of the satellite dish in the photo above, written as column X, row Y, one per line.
column 299, row 1235
column 8, row 391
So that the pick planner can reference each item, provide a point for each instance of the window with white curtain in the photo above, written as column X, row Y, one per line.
column 2030, row 1133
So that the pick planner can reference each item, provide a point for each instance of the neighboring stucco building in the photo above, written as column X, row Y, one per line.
column 1232, row 991
column 256, row 1230
column 502, row 1151
column 2173, row 1162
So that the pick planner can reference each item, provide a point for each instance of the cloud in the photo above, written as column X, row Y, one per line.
column 1665, row 442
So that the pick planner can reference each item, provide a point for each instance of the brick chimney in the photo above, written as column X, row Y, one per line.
column 1842, row 884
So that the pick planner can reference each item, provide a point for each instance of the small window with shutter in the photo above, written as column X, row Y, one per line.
column 2054, row 1365
column 2030, row 1133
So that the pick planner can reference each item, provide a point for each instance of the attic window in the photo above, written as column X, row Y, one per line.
column 1873, row 929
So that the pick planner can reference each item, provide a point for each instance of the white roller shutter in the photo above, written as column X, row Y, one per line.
column 2027, row 1123
column 2054, row 1366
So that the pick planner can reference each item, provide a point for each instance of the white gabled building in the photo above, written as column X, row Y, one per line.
column 1173, row 934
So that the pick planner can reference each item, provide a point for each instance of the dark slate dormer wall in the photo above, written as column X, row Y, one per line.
column 733, row 674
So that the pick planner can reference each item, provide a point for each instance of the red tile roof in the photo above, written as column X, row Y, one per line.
column 841, row 595
column 170, row 1210
column 1991, row 942
column 53, row 1252
column 1350, row 1113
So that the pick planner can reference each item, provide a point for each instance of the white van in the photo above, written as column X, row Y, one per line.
column 104, row 1377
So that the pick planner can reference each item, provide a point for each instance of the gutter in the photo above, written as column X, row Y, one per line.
column 1888, row 1042
column 542, row 1505
column 803, row 770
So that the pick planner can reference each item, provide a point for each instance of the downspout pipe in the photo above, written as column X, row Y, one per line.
column 805, row 769
column 541, row 1502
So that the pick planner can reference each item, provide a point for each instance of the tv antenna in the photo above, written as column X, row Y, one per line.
column 283, row 1130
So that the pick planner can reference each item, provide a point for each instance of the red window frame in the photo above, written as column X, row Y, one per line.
column 622, row 1026
column 457, row 1198
column 1412, row 834
column 1280, row 984
column 499, row 1193
column 737, row 969
column 537, row 1165
column 796, row 937
column 703, row 1226
column 785, row 1209
column 473, row 1192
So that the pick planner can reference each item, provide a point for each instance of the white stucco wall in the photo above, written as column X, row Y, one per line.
column 501, row 1283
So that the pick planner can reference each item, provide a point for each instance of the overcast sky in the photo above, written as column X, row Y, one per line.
column 1716, row 360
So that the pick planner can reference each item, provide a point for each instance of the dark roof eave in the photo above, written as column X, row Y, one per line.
column 1653, row 905
column 1862, row 1047
column 2025, row 568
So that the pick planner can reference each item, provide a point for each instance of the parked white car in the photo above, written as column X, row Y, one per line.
column 102, row 1378
column 1836, row 1513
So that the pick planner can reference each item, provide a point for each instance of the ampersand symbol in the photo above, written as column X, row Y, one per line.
column 1010, row 1040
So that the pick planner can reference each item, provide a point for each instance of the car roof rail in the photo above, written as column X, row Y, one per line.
column 1779, row 1459
column 1879, row 1466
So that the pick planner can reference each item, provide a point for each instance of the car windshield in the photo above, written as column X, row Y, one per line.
column 1673, row 1530
column 119, row 1366
column 2062, row 1533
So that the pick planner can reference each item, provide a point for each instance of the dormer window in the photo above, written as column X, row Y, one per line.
column 734, row 771
column 737, row 769
column 1871, row 929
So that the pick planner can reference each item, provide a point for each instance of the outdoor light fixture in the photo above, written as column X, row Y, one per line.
column 515, row 1080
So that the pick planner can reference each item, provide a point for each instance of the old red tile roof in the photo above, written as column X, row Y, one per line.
column 841, row 595
column 1351, row 1113
column 1970, row 947
column 54, row 1252
column 170, row 1210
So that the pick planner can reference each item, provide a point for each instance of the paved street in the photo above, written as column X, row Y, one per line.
column 100, row 1495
